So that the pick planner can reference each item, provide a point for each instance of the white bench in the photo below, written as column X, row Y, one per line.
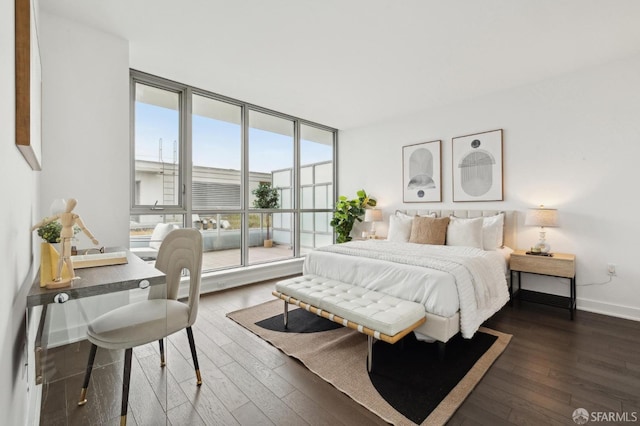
column 379, row 316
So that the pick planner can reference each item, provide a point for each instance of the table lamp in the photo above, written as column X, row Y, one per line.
column 373, row 216
column 541, row 217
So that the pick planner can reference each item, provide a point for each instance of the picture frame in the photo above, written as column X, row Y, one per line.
column 422, row 172
column 28, row 84
column 477, row 167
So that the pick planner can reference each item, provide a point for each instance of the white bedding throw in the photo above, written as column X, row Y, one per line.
column 479, row 275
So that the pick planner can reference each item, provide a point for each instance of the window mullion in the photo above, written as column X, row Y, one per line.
column 187, row 152
column 244, row 184
column 296, row 189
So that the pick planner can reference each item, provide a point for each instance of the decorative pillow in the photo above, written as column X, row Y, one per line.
column 399, row 228
column 492, row 231
column 429, row 230
column 465, row 232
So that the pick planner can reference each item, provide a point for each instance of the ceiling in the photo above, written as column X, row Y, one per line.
column 348, row 63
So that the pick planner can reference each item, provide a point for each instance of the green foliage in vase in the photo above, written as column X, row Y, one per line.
column 347, row 212
column 51, row 231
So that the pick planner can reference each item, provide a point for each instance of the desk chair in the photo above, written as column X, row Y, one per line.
column 156, row 318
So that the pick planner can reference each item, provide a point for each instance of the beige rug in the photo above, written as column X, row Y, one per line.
column 339, row 357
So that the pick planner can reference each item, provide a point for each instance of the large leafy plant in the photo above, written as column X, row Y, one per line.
column 347, row 212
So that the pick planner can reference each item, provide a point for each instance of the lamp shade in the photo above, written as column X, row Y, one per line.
column 372, row 215
column 541, row 217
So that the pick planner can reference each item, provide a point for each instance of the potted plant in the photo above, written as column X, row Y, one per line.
column 50, row 249
column 347, row 212
column 266, row 198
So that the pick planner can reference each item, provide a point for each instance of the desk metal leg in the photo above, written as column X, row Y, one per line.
column 40, row 344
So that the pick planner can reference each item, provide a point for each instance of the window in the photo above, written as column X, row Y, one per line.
column 234, row 149
column 157, row 146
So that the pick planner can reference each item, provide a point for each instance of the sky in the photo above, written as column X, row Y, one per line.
column 217, row 143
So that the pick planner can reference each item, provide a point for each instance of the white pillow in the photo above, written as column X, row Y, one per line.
column 465, row 232
column 492, row 231
column 402, row 214
column 399, row 228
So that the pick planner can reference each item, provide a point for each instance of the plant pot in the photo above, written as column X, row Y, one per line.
column 268, row 243
column 49, row 256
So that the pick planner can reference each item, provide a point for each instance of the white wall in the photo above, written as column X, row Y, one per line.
column 571, row 143
column 19, row 194
column 86, row 126
column 85, row 146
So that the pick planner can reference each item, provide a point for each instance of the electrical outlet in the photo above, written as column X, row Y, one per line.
column 611, row 269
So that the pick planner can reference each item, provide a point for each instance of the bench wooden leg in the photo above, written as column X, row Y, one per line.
column 286, row 314
column 370, row 341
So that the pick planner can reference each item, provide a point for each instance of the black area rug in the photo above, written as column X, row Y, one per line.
column 412, row 379
column 300, row 321
column 409, row 384
column 409, row 375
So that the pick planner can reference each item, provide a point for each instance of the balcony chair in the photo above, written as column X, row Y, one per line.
column 160, row 231
column 156, row 318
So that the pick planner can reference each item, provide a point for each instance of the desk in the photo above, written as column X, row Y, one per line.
column 99, row 280
column 94, row 281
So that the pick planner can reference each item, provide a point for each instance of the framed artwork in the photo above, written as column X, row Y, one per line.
column 28, row 84
column 422, row 172
column 477, row 167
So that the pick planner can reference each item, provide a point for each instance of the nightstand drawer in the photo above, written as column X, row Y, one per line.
column 560, row 265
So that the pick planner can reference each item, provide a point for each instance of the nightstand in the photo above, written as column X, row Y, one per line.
column 562, row 265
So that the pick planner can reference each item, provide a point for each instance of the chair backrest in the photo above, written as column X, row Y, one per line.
column 181, row 249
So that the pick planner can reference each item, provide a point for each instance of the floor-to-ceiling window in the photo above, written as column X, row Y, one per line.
column 259, row 184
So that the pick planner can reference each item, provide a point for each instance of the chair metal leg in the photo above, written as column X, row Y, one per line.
column 126, row 379
column 87, row 375
column 162, row 361
column 194, row 355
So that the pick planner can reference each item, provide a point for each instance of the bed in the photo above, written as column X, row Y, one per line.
column 460, row 286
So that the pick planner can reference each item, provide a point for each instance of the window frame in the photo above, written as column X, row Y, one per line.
column 185, row 205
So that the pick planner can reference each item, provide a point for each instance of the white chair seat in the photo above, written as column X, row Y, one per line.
column 138, row 323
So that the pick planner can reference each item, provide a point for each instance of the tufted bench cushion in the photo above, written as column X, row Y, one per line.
column 382, row 313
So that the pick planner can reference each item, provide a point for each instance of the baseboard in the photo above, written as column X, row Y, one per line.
column 618, row 311
column 222, row 280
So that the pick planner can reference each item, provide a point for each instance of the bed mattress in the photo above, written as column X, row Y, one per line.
column 444, row 279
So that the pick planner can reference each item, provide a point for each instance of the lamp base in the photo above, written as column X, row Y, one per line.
column 542, row 246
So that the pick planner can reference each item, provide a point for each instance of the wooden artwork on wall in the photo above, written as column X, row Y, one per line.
column 28, row 84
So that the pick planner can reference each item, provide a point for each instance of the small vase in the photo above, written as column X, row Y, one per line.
column 48, row 263
column 49, row 256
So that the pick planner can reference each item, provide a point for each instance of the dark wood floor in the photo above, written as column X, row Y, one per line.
column 551, row 367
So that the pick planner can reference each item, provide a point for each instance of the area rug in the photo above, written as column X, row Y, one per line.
column 409, row 384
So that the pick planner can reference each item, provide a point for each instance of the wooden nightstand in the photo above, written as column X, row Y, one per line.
column 561, row 265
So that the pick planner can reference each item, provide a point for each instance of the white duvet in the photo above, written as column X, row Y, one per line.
column 444, row 279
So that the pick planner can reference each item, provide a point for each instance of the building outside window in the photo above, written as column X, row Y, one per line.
column 233, row 147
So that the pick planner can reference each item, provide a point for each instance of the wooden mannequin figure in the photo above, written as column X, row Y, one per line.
column 68, row 219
